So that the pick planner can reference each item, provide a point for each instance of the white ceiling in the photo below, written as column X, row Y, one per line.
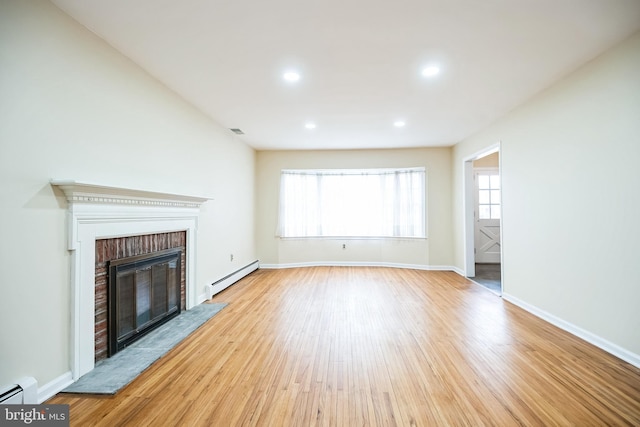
column 360, row 61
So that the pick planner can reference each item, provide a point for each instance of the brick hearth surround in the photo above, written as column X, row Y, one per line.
column 124, row 247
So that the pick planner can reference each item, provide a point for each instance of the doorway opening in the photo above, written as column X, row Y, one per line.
column 483, row 219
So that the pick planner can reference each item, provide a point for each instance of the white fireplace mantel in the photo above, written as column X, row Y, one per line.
column 100, row 212
column 82, row 192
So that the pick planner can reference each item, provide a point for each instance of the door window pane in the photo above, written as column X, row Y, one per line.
column 495, row 211
column 489, row 195
column 483, row 182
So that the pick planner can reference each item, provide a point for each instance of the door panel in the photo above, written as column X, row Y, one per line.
column 487, row 216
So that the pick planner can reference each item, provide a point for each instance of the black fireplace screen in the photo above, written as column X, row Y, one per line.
column 144, row 292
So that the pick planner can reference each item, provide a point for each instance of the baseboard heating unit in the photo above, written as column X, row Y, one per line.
column 24, row 392
column 230, row 279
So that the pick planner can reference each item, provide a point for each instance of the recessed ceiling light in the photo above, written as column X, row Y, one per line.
column 431, row 71
column 310, row 125
column 399, row 123
column 291, row 76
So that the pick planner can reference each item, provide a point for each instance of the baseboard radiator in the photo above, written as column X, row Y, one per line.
column 24, row 392
column 232, row 278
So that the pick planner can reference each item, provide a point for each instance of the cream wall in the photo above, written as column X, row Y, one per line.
column 73, row 108
column 435, row 251
column 490, row 161
column 571, row 200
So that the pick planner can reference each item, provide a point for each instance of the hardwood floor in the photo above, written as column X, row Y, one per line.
column 346, row 346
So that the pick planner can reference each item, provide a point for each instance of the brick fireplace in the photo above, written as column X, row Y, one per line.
column 103, row 221
column 121, row 248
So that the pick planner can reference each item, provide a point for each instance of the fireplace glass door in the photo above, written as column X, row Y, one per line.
column 144, row 292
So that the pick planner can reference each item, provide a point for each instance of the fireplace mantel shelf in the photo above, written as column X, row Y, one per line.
column 83, row 192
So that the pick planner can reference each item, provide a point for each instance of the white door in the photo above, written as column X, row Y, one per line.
column 487, row 216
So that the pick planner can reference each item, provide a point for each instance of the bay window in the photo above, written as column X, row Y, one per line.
column 352, row 203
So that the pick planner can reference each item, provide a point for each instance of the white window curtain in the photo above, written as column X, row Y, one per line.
column 352, row 203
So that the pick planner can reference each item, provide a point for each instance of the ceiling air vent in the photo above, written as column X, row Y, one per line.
column 237, row 131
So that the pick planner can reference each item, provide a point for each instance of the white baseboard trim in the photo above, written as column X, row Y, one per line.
column 589, row 337
column 230, row 279
column 52, row 388
column 357, row 264
column 458, row 270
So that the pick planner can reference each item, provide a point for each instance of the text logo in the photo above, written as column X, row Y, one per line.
column 34, row 415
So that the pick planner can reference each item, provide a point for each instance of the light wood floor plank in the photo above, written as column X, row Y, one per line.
column 343, row 346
